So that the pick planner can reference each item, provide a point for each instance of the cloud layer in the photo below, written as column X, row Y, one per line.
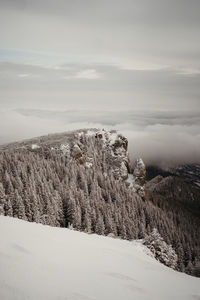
column 161, row 138
column 96, row 86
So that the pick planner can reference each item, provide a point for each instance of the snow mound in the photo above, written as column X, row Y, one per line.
column 42, row 262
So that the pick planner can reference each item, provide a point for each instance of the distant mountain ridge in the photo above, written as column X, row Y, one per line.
column 190, row 173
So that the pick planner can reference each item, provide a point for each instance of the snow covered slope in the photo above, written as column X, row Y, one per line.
column 39, row 262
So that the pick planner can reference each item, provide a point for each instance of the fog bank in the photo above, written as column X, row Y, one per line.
column 161, row 138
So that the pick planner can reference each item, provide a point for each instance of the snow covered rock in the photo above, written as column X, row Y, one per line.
column 139, row 177
column 140, row 172
column 116, row 146
column 78, row 155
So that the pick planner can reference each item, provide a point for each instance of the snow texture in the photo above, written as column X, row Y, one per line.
column 65, row 148
column 34, row 146
column 130, row 180
column 42, row 262
column 88, row 164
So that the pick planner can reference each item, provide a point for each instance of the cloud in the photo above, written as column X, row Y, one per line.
column 88, row 74
column 165, row 145
column 23, row 75
column 161, row 138
column 83, row 74
column 188, row 71
column 131, row 34
column 102, row 86
column 15, row 126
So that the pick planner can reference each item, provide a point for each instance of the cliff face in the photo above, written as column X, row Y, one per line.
column 115, row 148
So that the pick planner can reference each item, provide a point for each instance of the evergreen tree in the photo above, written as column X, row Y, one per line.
column 163, row 252
column 2, row 199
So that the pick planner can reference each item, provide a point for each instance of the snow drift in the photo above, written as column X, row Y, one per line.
column 42, row 262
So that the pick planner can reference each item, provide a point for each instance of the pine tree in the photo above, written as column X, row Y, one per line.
column 100, row 227
column 163, row 252
column 2, row 199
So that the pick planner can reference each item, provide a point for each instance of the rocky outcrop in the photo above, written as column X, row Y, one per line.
column 139, row 172
column 139, row 177
column 120, row 141
column 116, row 146
column 78, row 155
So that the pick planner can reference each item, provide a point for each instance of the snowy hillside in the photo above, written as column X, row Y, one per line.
column 42, row 262
column 85, row 179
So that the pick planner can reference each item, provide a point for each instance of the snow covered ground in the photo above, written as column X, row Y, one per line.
column 39, row 262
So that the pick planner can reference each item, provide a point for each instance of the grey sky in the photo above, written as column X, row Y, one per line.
column 101, row 56
column 133, row 34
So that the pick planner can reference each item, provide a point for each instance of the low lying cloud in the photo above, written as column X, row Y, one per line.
column 161, row 138
column 165, row 145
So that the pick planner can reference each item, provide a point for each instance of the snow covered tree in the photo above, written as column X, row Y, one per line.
column 2, row 199
column 161, row 251
column 18, row 206
column 100, row 227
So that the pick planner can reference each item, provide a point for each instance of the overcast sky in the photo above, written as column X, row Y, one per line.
column 129, row 65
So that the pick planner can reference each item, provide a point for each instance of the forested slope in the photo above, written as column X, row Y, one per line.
column 84, row 180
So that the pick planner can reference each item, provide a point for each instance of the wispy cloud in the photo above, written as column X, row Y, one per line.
column 23, row 75
column 105, row 87
column 188, row 71
column 88, row 74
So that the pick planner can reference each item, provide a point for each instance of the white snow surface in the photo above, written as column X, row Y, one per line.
column 88, row 164
column 39, row 262
column 113, row 137
column 35, row 146
column 89, row 132
column 131, row 180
